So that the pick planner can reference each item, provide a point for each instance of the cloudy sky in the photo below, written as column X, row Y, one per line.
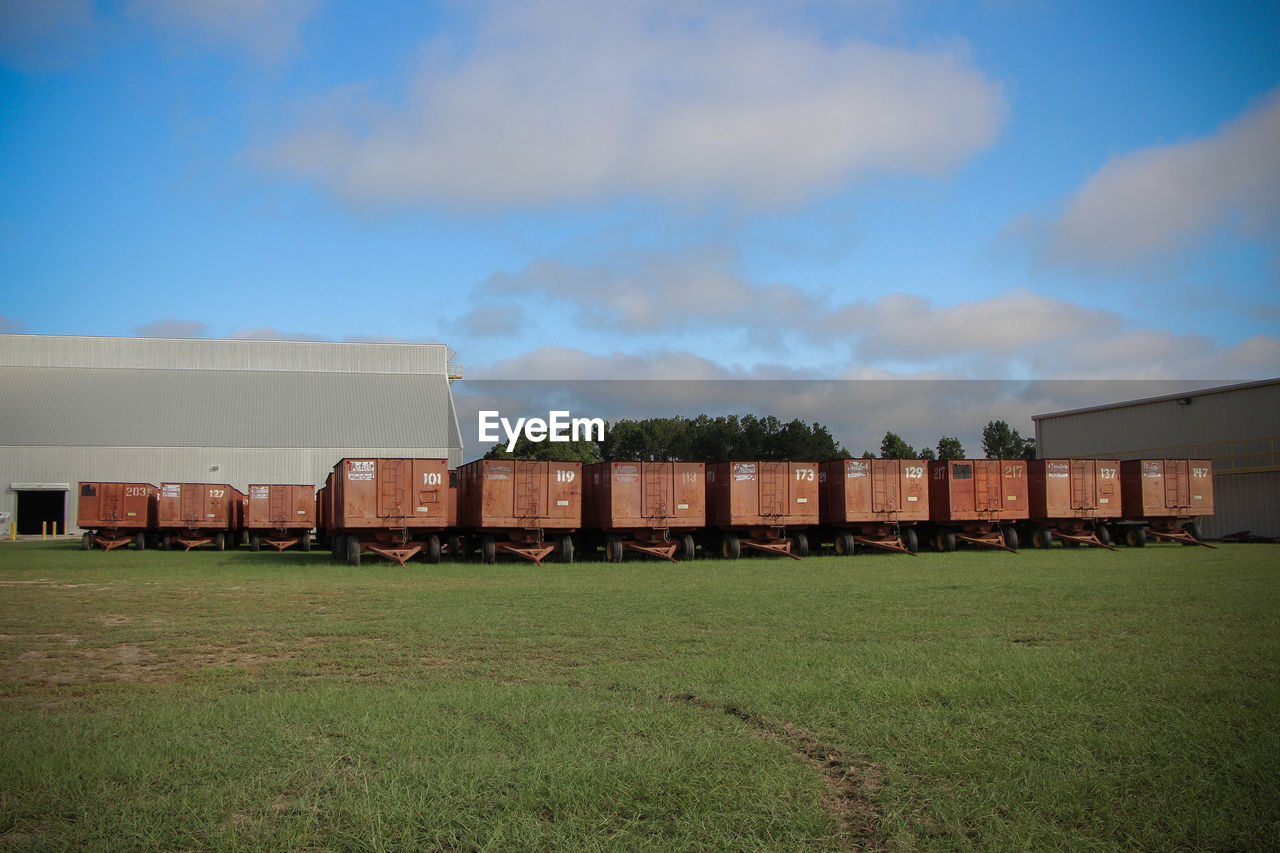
column 998, row 189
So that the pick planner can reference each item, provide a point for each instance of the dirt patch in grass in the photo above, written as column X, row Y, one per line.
column 68, row 663
column 850, row 783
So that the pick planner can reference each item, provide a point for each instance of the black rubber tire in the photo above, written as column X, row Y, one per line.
column 305, row 544
column 1193, row 529
column 338, row 548
column 1010, row 536
column 1103, row 533
column 488, row 550
column 910, row 540
column 166, row 542
column 255, row 542
column 687, row 550
column 947, row 539
column 453, row 546
column 844, row 544
column 613, row 548
column 564, row 551
column 1042, row 537
column 431, row 552
column 86, row 541
column 730, row 547
column 800, row 545
column 352, row 544
column 1135, row 537
column 219, row 541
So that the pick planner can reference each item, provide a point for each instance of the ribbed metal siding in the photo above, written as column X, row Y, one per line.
column 201, row 354
column 1245, row 502
column 220, row 408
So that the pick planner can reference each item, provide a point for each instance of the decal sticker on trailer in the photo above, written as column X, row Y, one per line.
column 360, row 469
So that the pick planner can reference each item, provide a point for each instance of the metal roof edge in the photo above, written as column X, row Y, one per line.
column 1199, row 392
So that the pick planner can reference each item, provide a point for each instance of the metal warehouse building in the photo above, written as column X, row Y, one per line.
column 207, row 411
column 1236, row 426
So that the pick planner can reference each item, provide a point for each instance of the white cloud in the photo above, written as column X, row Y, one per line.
column 170, row 327
column 493, row 319
column 268, row 30
column 44, row 35
column 640, row 292
column 1150, row 203
column 270, row 333
column 559, row 100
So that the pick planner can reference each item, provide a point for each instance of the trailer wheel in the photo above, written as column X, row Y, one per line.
column 432, row 551
column 800, row 545
column 255, row 542
column 687, row 551
column 1041, row 537
column 910, row 541
column 488, row 550
column 1136, row 537
column 139, row 541
column 453, row 545
column 305, row 544
column 1193, row 530
column 947, row 540
column 565, row 552
column 844, row 544
column 1103, row 533
column 338, row 548
column 613, row 548
column 730, row 547
column 1010, row 537
column 86, row 541
column 353, row 550
column 166, row 542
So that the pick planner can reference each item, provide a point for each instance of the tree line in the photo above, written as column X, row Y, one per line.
column 727, row 437
column 999, row 441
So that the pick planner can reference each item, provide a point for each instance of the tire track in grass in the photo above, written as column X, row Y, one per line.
column 851, row 785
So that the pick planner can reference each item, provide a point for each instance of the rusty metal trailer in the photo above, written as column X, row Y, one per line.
column 1163, row 498
column 193, row 514
column 1073, row 500
column 876, row 502
column 652, row 508
column 977, row 501
column 762, row 505
column 395, row 508
column 280, row 515
column 116, row 514
column 513, row 505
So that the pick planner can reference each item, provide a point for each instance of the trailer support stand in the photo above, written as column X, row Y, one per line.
column 666, row 551
column 893, row 544
column 783, row 548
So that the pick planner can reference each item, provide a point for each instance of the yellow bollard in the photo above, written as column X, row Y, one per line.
column 55, row 530
column 13, row 531
column 44, row 531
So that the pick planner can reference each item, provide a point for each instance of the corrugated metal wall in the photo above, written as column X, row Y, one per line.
column 1237, row 427
column 291, row 408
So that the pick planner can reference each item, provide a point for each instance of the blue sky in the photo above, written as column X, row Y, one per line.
column 563, row 189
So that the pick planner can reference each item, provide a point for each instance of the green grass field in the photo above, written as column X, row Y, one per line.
column 1050, row 700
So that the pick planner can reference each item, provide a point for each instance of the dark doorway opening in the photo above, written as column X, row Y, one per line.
column 35, row 507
